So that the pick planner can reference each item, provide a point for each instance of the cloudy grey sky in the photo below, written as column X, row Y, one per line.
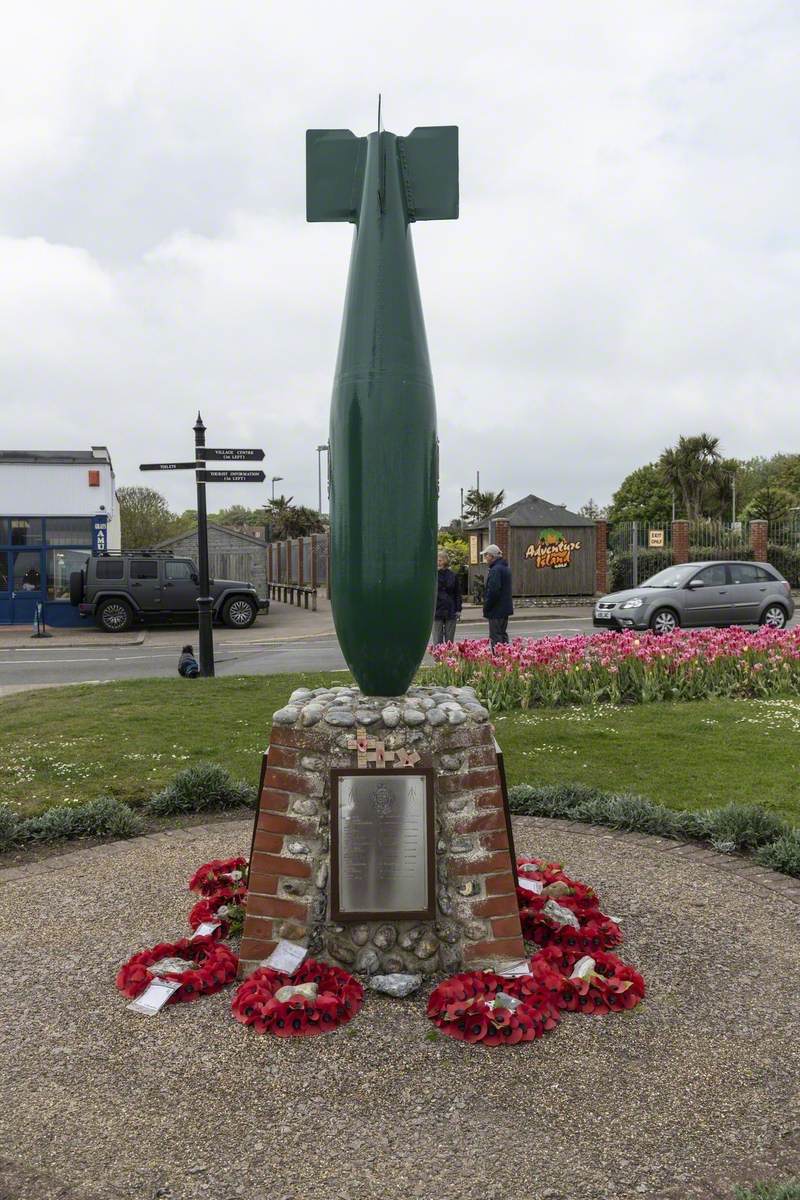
column 626, row 266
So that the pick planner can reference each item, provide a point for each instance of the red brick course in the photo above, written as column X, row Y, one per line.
column 759, row 531
column 270, row 864
column 278, row 823
column 499, row 885
column 467, row 781
column 680, row 541
column 287, row 781
column 497, row 840
column 275, row 906
column 255, row 949
column 492, row 799
column 273, row 801
column 484, row 756
column 601, row 557
column 270, row 842
column 497, row 906
column 282, row 756
column 491, row 818
column 506, row 926
column 509, row 947
column 481, row 866
column 282, row 735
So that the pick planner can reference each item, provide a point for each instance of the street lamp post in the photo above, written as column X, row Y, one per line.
column 319, row 475
column 275, row 479
column 204, row 601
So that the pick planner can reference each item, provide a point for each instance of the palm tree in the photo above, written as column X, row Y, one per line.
column 691, row 468
column 479, row 506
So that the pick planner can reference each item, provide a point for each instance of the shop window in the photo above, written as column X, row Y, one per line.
column 27, row 571
column 5, row 534
column 3, row 570
column 26, row 531
column 69, row 531
column 60, row 565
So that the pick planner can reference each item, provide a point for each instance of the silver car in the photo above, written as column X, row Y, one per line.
column 701, row 593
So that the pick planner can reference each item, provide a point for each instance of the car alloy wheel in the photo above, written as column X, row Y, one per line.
column 240, row 612
column 664, row 622
column 775, row 616
column 115, row 616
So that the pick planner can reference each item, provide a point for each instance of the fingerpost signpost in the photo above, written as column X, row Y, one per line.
column 203, row 454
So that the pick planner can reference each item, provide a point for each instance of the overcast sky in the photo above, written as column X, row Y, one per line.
column 626, row 266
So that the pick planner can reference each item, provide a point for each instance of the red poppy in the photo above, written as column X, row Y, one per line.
column 339, row 998
column 214, row 966
column 220, row 872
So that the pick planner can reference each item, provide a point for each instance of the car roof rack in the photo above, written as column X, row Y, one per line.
column 138, row 553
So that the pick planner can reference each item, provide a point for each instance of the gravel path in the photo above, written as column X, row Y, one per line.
column 676, row 1099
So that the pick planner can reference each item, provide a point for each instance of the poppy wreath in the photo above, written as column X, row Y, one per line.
column 597, row 931
column 467, row 1007
column 610, row 987
column 339, row 997
column 226, row 906
column 214, row 966
column 220, row 873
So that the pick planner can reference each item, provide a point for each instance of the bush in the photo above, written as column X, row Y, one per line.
column 783, row 854
column 787, row 561
column 9, row 827
column 103, row 817
column 770, row 1191
column 743, row 827
column 649, row 562
column 205, row 787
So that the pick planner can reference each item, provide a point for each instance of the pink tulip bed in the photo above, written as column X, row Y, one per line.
column 625, row 668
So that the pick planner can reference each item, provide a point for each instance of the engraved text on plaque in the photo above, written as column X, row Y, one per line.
column 382, row 824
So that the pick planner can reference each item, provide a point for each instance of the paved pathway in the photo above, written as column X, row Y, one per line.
column 678, row 1099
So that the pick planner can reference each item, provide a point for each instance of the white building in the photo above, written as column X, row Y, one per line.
column 56, row 507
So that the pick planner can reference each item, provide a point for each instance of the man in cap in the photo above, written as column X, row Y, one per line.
column 497, row 603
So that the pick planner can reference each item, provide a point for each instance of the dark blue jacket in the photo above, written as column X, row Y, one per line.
column 448, row 595
column 497, row 597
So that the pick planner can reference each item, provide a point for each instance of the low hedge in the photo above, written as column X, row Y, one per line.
column 206, row 787
column 743, row 828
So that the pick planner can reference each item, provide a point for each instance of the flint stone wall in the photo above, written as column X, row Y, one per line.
column 477, row 920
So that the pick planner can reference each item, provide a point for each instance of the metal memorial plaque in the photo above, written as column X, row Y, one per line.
column 382, row 847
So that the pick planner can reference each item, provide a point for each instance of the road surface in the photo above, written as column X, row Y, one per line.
column 247, row 653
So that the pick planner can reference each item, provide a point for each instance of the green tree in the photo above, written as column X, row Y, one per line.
column 787, row 472
column 287, row 520
column 770, row 504
column 642, row 496
column 593, row 510
column 144, row 516
column 479, row 506
column 457, row 549
column 692, row 469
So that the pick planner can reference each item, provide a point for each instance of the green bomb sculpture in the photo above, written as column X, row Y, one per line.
column 383, row 457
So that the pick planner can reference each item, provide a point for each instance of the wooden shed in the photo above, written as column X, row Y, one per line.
column 551, row 551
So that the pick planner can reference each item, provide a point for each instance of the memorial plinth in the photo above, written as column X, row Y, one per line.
column 381, row 840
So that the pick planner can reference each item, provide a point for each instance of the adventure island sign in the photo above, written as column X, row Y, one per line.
column 552, row 549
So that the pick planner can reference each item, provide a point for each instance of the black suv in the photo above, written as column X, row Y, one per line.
column 139, row 585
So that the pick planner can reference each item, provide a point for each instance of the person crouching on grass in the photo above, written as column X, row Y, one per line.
column 187, row 664
column 448, row 602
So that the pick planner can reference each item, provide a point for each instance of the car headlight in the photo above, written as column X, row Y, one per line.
column 636, row 603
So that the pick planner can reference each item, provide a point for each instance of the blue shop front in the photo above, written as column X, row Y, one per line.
column 38, row 553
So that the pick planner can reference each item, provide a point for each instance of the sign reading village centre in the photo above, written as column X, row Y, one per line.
column 552, row 549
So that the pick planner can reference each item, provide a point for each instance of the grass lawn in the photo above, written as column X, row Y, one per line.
column 129, row 738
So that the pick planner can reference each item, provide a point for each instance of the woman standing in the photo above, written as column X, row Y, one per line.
column 448, row 602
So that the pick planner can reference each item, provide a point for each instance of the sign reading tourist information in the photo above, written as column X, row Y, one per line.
column 231, row 476
column 382, row 845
